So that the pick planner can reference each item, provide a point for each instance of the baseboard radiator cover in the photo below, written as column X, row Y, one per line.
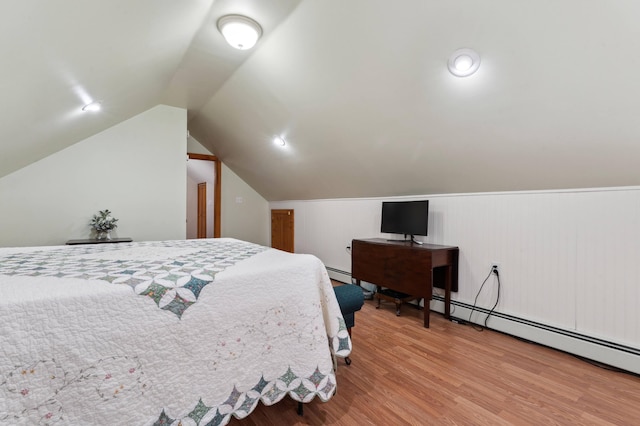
column 610, row 353
column 338, row 275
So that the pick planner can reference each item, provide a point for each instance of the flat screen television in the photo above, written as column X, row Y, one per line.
column 405, row 217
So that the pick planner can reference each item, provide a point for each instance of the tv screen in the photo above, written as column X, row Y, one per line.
column 405, row 217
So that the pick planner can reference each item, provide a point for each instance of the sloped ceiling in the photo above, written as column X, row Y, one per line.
column 59, row 55
column 359, row 89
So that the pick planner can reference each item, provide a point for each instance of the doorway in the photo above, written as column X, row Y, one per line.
column 282, row 225
column 203, row 196
column 201, row 222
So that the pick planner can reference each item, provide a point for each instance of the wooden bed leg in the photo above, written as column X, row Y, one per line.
column 300, row 409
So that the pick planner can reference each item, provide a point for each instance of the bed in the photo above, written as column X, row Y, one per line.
column 187, row 332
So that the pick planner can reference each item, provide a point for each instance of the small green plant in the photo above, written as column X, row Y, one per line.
column 103, row 221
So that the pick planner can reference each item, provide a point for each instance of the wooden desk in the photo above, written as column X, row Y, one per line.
column 96, row 241
column 407, row 268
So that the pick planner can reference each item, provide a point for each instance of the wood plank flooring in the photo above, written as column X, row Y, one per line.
column 450, row 374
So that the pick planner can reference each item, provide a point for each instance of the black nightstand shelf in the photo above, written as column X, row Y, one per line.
column 96, row 241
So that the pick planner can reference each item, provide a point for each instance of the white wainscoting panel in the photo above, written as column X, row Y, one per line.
column 568, row 259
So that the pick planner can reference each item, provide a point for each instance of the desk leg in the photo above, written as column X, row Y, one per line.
column 447, row 291
column 427, row 310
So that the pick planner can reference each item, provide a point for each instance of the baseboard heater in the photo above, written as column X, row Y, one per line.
column 338, row 275
column 599, row 350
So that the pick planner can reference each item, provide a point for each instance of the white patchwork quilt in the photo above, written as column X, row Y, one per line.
column 162, row 333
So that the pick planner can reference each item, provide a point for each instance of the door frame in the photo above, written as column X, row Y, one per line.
column 217, row 188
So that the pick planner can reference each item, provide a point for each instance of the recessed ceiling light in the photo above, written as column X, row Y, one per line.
column 239, row 31
column 279, row 141
column 464, row 62
column 93, row 106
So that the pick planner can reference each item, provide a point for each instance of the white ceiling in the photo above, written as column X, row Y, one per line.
column 59, row 55
column 359, row 88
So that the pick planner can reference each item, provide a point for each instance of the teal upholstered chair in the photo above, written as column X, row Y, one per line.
column 350, row 298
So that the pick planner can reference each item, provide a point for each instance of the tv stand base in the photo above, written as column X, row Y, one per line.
column 412, row 241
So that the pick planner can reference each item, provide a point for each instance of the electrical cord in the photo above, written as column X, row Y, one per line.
column 475, row 302
column 497, row 298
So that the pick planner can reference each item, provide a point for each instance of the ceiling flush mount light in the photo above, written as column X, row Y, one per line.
column 279, row 141
column 239, row 31
column 93, row 106
column 464, row 62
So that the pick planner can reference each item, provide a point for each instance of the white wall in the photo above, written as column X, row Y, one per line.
column 192, row 208
column 244, row 213
column 195, row 147
column 136, row 169
column 568, row 259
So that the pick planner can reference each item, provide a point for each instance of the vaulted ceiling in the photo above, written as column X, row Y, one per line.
column 359, row 89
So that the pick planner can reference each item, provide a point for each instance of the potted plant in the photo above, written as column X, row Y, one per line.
column 103, row 223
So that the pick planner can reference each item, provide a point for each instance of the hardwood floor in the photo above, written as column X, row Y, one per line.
column 451, row 374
